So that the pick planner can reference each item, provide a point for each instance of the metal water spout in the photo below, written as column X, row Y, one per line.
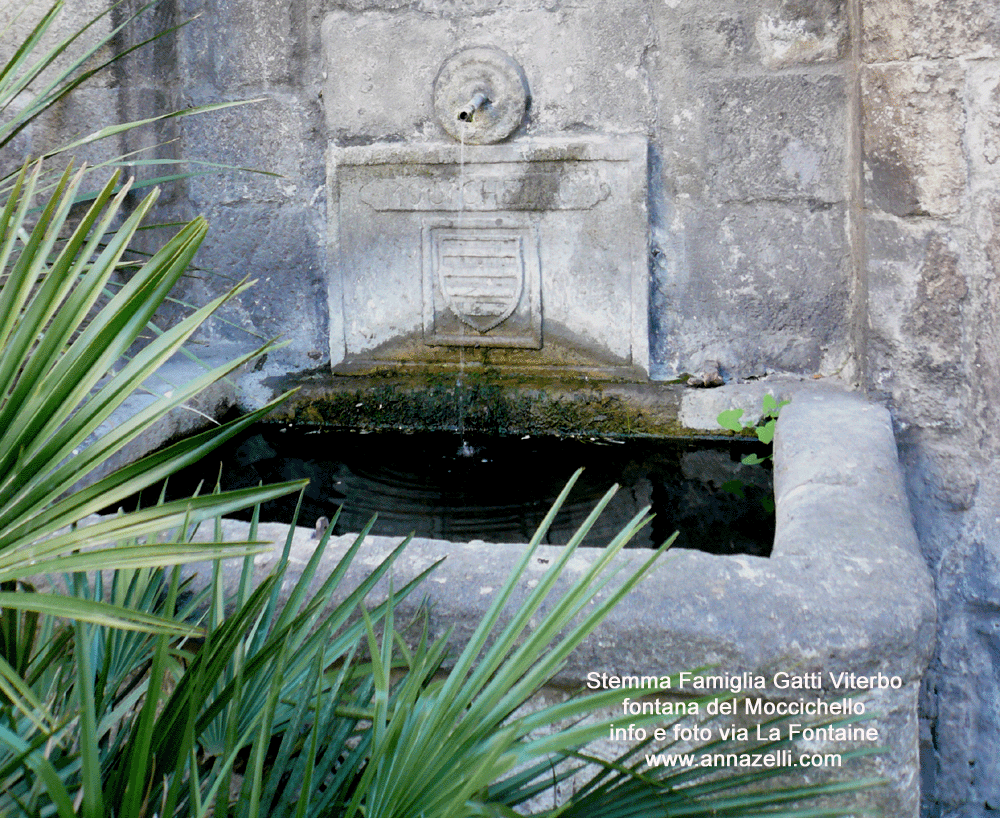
column 478, row 100
column 480, row 96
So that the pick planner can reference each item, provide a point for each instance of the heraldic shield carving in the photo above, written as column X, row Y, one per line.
column 481, row 283
column 481, row 275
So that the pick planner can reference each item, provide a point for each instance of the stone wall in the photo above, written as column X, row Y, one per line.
column 90, row 106
column 746, row 107
column 930, row 80
column 823, row 201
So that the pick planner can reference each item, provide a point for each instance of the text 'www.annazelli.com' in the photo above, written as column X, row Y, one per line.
column 779, row 758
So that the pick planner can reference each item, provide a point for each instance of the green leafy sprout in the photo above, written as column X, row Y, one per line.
column 731, row 419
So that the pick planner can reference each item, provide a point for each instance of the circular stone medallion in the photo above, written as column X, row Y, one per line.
column 480, row 95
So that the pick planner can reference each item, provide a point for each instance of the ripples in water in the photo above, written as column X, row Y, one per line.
column 498, row 489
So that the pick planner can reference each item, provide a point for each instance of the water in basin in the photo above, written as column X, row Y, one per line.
column 498, row 489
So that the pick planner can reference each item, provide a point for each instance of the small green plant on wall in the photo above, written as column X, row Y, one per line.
column 731, row 419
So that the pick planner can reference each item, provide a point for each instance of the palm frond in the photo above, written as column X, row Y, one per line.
column 62, row 377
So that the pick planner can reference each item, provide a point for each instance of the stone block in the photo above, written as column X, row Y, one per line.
column 917, row 291
column 908, row 29
column 801, row 32
column 274, row 136
column 913, row 122
column 700, row 408
column 585, row 65
column 679, row 169
column 508, row 246
column 983, row 126
column 780, row 137
column 281, row 247
column 714, row 37
column 941, row 470
column 758, row 289
column 260, row 47
column 775, row 33
column 702, row 36
column 955, row 737
column 156, row 65
column 365, row 92
column 985, row 379
column 443, row 8
column 584, row 68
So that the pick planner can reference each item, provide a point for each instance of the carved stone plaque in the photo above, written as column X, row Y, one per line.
column 538, row 246
column 539, row 190
column 480, row 285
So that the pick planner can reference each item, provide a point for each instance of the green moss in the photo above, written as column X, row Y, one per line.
column 486, row 401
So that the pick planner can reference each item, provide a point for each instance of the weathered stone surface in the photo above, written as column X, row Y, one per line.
column 761, row 289
column 914, row 121
column 917, row 289
column 365, row 94
column 941, row 288
column 700, row 408
column 775, row 33
column 967, row 730
column 905, row 29
column 704, row 36
column 447, row 8
column 585, row 66
column 955, row 732
column 986, row 355
column 156, row 66
column 982, row 593
column 282, row 248
column 983, row 128
column 572, row 57
column 489, row 246
column 776, row 138
column 681, row 161
column 948, row 472
column 292, row 171
column 261, row 47
column 794, row 32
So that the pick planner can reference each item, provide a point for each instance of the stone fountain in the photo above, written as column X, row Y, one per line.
column 496, row 279
column 535, row 247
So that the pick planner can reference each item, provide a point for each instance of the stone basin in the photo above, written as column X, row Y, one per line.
column 845, row 590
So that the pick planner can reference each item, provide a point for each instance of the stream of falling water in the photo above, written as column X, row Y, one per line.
column 464, row 450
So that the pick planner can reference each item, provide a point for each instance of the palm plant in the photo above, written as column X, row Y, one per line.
column 62, row 375
column 305, row 710
column 145, row 725
column 67, row 317
column 38, row 77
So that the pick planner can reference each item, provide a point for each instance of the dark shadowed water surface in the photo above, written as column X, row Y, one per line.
column 498, row 489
